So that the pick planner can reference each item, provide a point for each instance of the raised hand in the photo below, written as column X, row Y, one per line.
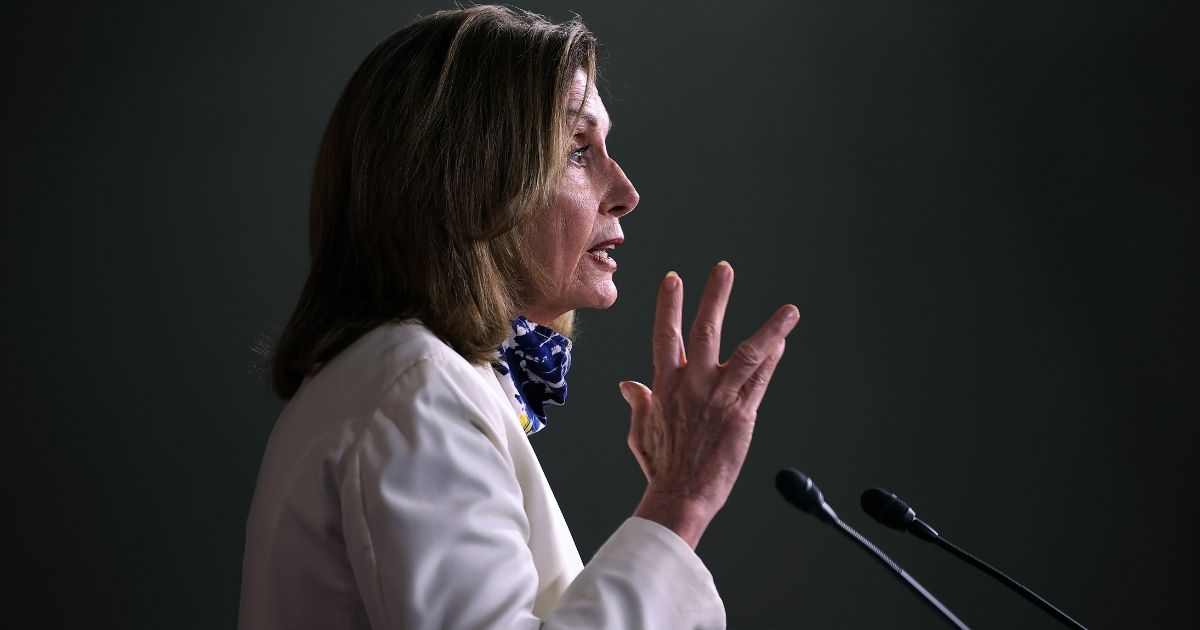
column 690, row 434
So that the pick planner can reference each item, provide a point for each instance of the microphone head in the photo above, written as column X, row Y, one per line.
column 799, row 490
column 887, row 508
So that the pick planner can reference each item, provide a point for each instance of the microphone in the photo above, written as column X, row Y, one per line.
column 801, row 492
column 890, row 510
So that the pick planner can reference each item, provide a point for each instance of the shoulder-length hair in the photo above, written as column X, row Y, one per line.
column 446, row 143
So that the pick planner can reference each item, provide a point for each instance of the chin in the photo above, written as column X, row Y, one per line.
column 600, row 297
column 607, row 296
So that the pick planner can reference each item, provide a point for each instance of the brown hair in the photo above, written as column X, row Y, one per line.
column 444, row 146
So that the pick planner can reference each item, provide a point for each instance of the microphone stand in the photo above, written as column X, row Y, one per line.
column 908, row 580
column 1011, row 583
column 892, row 511
column 799, row 490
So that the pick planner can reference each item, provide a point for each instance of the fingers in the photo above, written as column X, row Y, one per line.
column 756, row 386
column 636, row 394
column 705, row 341
column 640, row 432
column 752, row 353
column 667, row 338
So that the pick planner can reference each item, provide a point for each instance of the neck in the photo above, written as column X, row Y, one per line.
column 543, row 317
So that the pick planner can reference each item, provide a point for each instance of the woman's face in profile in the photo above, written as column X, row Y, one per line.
column 575, row 239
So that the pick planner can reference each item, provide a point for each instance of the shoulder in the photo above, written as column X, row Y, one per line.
column 358, row 377
column 395, row 347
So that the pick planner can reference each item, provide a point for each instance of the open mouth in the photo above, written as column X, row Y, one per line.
column 600, row 252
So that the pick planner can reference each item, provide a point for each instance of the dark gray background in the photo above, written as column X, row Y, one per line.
column 986, row 214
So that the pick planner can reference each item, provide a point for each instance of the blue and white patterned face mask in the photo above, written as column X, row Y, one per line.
column 537, row 359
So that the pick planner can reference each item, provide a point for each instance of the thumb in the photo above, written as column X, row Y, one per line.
column 634, row 393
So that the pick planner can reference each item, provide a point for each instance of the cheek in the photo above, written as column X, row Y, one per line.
column 576, row 220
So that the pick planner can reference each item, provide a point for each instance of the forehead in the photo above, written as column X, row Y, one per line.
column 588, row 106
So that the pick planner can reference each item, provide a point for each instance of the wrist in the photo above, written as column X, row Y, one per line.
column 688, row 518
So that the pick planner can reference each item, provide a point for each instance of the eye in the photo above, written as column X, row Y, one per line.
column 578, row 156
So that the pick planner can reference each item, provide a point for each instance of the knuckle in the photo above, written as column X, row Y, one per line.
column 705, row 331
column 749, row 352
column 665, row 338
column 694, row 390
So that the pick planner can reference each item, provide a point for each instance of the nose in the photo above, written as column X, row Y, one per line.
column 622, row 197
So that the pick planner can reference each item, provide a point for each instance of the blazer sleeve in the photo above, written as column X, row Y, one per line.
column 437, row 535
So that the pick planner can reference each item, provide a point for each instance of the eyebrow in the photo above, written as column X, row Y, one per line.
column 588, row 117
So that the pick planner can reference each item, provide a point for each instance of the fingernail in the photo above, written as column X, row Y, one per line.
column 792, row 313
column 724, row 268
column 672, row 281
column 621, row 387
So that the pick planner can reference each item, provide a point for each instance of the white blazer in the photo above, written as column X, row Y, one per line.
column 398, row 490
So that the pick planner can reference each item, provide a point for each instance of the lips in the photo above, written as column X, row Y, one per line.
column 599, row 252
column 609, row 244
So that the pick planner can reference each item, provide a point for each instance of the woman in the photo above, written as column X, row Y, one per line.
column 464, row 191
